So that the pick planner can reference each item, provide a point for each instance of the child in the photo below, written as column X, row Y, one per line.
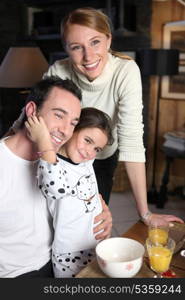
column 68, row 182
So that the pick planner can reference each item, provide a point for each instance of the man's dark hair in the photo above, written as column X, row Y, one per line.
column 40, row 91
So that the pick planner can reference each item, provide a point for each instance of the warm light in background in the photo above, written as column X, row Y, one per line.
column 22, row 67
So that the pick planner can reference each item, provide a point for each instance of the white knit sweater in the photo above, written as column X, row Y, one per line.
column 118, row 92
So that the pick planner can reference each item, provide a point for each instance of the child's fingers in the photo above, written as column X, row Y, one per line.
column 30, row 120
column 27, row 125
column 33, row 120
column 41, row 120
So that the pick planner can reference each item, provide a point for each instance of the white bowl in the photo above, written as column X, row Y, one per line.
column 120, row 257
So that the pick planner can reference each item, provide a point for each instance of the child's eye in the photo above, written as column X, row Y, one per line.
column 87, row 141
column 98, row 150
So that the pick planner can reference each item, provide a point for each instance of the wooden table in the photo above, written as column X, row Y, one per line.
column 139, row 232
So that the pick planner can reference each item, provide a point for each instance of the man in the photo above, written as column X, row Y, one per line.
column 25, row 224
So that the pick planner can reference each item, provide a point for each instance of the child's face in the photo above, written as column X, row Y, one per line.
column 85, row 144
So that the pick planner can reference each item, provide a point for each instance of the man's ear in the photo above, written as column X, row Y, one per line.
column 30, row 109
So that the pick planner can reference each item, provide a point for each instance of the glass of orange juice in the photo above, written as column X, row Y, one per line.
column 158, row 234
column 160, row 255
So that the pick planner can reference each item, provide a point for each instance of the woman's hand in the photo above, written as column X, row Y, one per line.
column 105, row 222
column 160, row 219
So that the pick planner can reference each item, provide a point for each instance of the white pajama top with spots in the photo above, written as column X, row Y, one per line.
column 73, row 199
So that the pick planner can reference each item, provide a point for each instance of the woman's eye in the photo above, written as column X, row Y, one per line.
column 95, row 42
column 77, row 47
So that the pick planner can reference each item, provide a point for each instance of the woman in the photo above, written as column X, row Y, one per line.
column 110, row 82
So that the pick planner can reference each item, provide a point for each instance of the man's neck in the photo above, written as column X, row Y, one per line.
column 21, row 146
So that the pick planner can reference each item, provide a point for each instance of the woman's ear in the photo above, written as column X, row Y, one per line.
column 30, row 109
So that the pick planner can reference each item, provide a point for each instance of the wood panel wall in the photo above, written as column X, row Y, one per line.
column 171, row 112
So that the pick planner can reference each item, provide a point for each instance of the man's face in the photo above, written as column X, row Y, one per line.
column 61, row 112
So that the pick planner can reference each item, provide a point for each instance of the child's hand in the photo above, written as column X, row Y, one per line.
column 37, row 130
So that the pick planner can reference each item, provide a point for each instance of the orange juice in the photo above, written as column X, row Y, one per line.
column 160, row 258
column 158, row 236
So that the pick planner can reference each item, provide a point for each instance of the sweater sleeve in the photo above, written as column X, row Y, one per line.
column 130, row 119
column 59, row 68
column 52, row 71
column 52, row 180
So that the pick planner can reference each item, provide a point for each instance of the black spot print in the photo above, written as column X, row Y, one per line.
column 54, row 197
column 61, row 191
column 67, row 259
column 52, row 183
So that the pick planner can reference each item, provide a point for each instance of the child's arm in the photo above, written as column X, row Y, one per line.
column 39, row 134
column 51, row 175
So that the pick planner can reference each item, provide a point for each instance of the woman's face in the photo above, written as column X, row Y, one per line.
column 85, row 144
column 88, row 50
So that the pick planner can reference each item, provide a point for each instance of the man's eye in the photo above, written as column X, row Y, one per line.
column 59, row 116
column 74, row 124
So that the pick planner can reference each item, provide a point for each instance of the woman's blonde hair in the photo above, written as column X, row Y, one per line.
column 92, row 18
